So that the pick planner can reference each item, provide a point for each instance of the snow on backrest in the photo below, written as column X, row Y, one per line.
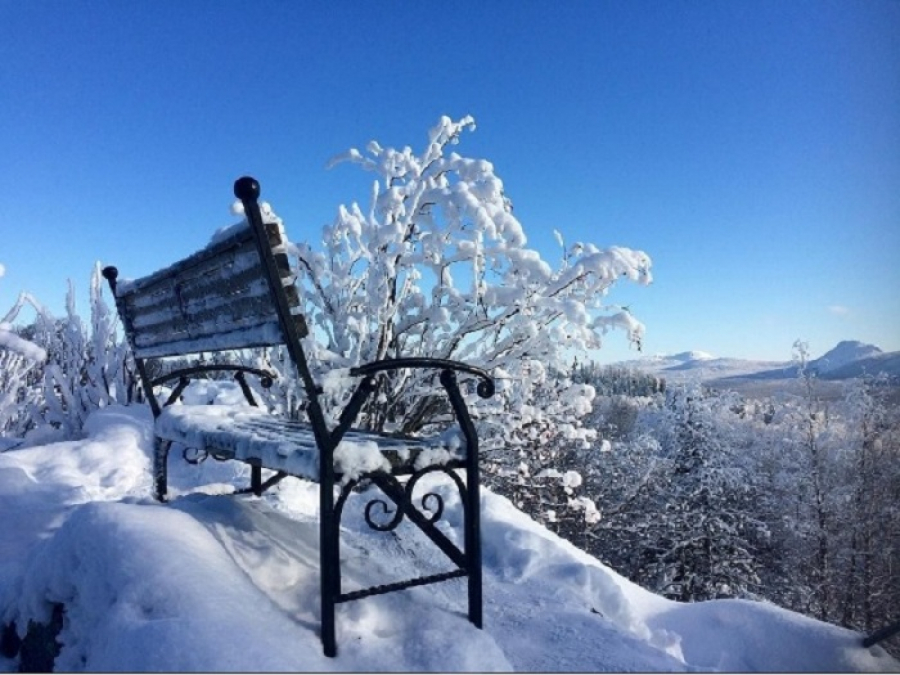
column 216, row 299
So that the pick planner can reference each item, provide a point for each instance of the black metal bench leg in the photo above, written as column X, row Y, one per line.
column 329, row 561
column 472, row 517
column 160, row 467
column 472, row 536
column 256, row 479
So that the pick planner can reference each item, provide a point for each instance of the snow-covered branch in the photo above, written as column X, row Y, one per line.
column 439, row 266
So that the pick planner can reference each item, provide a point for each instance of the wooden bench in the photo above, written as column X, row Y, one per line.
column 239, row 293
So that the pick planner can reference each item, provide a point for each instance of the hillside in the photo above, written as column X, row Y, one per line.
column 214, row 582
column 844, row 354
column 848, row 359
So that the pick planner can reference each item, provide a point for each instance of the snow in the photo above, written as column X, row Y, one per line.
column 237, row 209
column 845, row 352
column 246, row 432
column 220, row 582
column 30, row 351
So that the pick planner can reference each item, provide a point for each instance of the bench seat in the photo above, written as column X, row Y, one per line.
column 251, row 435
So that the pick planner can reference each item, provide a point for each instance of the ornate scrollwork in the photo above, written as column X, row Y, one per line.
column 194, row 455
column 414, row 479
column 430, row 506
column 437, row 511
column 392, row 524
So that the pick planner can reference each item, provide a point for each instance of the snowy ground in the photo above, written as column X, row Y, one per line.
column 213, row 582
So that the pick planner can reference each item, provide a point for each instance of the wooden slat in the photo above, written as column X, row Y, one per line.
column 234, row 242
column 215, row 299
column 264, row 335
column 251, row 301
column 240, row 262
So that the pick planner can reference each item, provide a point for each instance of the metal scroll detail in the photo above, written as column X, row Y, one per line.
column 194, row 455
column 385, row 514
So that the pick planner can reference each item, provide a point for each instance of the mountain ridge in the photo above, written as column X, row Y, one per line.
column 848, row 359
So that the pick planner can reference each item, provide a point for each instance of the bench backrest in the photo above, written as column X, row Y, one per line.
column 218, row 298
column 236, row 293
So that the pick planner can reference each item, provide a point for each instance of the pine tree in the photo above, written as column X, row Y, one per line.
column 703, row 539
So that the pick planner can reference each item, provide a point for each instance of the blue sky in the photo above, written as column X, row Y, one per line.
column 752, row 148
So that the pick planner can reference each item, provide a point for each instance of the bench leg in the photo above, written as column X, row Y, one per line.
column 160, row 467
column 329, row 562
column 472, row 537
column 473, row 497
column 256, row 479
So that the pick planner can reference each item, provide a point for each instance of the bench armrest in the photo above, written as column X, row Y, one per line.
column 448, row 370
column 485, row 387
column 183, row 376
column 264, row 375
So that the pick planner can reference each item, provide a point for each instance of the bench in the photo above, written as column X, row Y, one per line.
column 239, row 293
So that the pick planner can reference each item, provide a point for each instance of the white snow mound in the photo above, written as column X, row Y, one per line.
column 219, row 582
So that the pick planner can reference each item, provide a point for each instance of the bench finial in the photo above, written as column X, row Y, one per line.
column 246, row 189
column 111, row 274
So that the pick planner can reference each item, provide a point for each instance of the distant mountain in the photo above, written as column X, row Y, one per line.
column 845, row 353
column 694, row 364
column 848, row 359
column 887, row 363
column 691, row 356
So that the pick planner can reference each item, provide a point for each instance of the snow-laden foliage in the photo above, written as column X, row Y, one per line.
column 704, row 533
column 20, row 359
column 792, row 498
column 56, row 371
column 437, row 265
column 834, row 480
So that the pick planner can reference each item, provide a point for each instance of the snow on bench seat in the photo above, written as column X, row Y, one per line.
column 245, row 433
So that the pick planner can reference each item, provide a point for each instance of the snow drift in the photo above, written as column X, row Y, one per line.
column 216, row 582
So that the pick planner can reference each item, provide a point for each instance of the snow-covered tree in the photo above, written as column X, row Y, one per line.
column 811, row 487
column 703, row 534
column 870, row 520
column 438, row 265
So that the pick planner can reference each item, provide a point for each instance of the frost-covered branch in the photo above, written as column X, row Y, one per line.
column 438, row 266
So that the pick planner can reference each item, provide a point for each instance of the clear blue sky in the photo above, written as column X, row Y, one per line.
column 752, row 148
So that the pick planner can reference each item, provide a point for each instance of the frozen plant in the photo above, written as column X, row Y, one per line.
column 19, row 359
column 72, row 367
column 437, row 265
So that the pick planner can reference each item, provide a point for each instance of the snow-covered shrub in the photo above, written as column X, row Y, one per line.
column 82, row 367
column 437, row 265
column 20, row 360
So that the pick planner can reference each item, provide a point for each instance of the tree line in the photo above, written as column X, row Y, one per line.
column 699, row 494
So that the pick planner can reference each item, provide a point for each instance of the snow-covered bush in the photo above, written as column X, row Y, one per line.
column 437, row 265
column 57, row 370
column 20, row 360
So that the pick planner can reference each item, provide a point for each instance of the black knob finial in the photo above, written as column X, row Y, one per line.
column 110, row 273
column 246, row 189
